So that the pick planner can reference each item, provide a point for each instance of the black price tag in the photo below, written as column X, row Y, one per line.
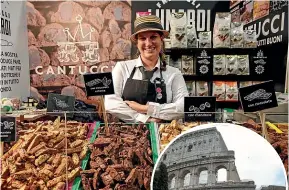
column 98, row 84
column 8, row 129
column 57, row 104
column 258, row 97
column 204, row 62
column 197, row 106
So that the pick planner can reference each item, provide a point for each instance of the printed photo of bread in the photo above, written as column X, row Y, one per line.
column 69, row 38
column 261, row 9
column 234, row 3
column 246, row 13
column 235, row 16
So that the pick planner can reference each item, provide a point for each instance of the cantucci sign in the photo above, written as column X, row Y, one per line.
column 271, row 29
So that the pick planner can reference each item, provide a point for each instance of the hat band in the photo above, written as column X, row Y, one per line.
column 148, row 25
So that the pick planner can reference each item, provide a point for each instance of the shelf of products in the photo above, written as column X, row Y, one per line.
column 217, row 62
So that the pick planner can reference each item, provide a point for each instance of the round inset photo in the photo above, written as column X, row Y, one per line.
column 219, row 156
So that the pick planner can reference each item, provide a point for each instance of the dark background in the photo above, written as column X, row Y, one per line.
column 275, row 69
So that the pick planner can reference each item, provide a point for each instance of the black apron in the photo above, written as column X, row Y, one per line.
column 143, row 91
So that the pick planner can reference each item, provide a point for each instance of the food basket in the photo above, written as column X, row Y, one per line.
column 98, row 134
column 41, row 153
column 169, row 131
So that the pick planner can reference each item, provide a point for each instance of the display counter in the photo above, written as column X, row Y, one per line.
column 56, row 153
column 28, row 115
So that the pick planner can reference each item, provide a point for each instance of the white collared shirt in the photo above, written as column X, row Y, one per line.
column 175, row 88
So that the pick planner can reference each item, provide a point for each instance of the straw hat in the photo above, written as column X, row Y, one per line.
column 147, row 23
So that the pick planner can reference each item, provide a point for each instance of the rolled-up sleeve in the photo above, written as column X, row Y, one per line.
column 174, row 110
column 115, row 105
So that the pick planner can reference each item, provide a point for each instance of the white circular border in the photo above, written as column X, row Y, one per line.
column 206, row 126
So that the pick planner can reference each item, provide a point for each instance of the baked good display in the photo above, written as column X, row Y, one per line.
column 121, row 158
column 170, row 131
column 39, row 159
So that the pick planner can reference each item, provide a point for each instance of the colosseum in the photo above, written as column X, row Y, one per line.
column 201, row 160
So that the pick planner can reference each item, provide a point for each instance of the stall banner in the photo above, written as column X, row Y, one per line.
column 200, row 108
column 98, row 84
column 57, row 104
column 7, row 129
column 70, row 38
column 268, row 17
column 198, row 13
column 258, row 97
column 14, row 52
column 270, row 20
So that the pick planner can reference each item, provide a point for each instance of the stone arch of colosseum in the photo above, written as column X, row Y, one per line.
column 196, row 160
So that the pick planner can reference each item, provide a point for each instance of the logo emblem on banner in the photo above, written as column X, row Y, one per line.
column 67, row 50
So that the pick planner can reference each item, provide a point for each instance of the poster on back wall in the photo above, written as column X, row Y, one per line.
column 14, row 57
column 70, row 38
column 201, row 14
column 270, row 20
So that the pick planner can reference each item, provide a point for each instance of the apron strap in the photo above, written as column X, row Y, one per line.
column 132, row 73
column 161, row 80
column 142, row 70
column 147, row 75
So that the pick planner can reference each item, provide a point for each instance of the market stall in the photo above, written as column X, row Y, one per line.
column 60, row 135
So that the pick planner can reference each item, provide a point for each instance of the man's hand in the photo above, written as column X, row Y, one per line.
column 137, row 107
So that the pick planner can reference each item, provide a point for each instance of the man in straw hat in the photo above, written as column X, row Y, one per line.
column 146, row 88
